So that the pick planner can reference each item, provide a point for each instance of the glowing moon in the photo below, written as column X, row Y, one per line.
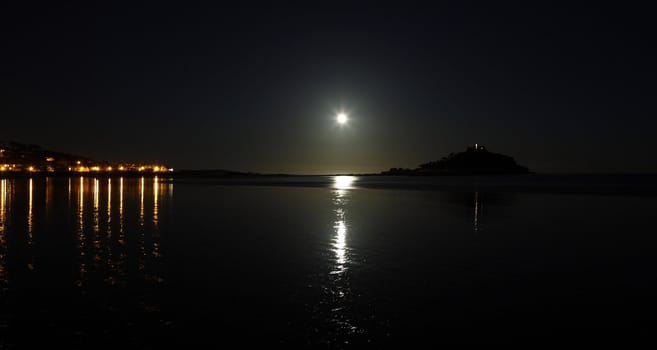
column 341, row 118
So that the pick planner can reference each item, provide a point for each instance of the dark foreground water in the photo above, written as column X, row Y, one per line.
column 150, row 263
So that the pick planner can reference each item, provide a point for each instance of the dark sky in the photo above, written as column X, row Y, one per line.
column 256, row 88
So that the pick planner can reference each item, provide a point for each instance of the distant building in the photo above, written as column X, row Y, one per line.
column 476, row 147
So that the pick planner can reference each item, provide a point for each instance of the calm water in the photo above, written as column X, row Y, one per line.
column 95, row 262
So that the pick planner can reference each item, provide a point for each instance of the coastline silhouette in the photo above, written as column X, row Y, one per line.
column 31, row 158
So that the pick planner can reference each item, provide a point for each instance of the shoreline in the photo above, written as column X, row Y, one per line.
column 644, row 185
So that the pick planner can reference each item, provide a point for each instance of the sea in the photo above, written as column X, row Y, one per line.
column 328, row 262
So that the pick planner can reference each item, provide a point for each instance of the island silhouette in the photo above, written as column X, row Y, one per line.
column 475, row 160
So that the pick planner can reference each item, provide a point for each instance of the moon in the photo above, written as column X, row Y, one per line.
column 341, row 118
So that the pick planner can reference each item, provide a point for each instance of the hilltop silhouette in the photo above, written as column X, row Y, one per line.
column 474, row 160
column 16, row 158
column 19, row 156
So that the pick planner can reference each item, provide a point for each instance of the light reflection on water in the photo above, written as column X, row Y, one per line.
column 97, row 243
column 116, row 225
column 4, row 203
column 156, row 218
column 100, row 227
column 121, row 232
column 341, row 187
column 30, row 226
column 113, row 228
column 340, row 244
column 81, row 245
column 340, row 200
column 346, row 264
column 478, row 207
column 338, row 298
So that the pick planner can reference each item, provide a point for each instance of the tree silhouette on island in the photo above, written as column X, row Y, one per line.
column 475, row 160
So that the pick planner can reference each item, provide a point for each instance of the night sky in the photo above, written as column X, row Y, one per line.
column 256, row 88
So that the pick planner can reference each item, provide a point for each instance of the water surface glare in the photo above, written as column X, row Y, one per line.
column 106, row 262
